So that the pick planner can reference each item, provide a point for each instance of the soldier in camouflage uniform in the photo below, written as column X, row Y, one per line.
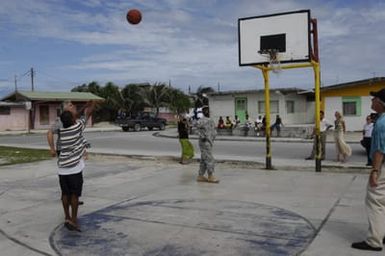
column 207, row 133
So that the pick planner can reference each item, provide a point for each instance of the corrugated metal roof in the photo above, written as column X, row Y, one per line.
column 282, row 90
column 11, row 104
column 52, row 96
column 354, row 83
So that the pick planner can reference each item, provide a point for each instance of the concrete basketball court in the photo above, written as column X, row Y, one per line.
column 155, row 207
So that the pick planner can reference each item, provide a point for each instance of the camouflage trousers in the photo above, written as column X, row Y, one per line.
column 207, row 162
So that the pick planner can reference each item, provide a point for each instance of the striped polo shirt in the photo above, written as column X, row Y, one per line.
column 72, row 144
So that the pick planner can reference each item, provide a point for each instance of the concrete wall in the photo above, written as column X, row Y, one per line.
column 17, row 120
column 353, row 123
column 224, row 105
column 52, row 116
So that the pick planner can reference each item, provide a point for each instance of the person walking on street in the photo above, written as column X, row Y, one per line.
column 258, row 124
column 343, row 150
column 186, row 146
column 375, row 190
column 325, row 125
column 277, row 125
column 367, row 138
column 207, row 134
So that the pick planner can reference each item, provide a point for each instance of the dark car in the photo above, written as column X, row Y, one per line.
column 141, row 120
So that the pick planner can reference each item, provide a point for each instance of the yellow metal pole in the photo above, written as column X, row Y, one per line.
column 265, row 72
column 316, row 69
column 299, row 65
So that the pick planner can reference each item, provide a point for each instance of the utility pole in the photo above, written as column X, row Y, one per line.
column 15, row 83
column 32, row 79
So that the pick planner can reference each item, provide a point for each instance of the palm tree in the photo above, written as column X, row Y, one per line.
column 131, row 99
column 178, row 102
column 109, row 109
column 155, row 96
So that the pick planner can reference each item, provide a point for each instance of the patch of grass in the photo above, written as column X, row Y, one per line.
column 11, row 155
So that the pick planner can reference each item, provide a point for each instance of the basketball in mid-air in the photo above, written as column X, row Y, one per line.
column 134, row 16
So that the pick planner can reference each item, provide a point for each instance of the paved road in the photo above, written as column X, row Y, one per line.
column 144, row 143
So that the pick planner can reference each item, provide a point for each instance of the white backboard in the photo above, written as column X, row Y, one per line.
column 289, row 32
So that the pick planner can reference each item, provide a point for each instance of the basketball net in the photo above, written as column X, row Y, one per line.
column 272, row 55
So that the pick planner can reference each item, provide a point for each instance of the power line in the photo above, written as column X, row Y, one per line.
column 59, row 79
column 26, row 73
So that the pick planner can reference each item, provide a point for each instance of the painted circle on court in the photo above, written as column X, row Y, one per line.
column 186, row 227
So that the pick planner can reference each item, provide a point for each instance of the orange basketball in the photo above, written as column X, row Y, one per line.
column 134, row 16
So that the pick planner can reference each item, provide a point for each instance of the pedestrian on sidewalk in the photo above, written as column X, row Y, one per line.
column 375, row 193
column 228, row 123
column 325, row 125
column 236, row 121
column 343, row 150
column 221, row 123
column 71, row 163
column 277, row 125
column 186, row 146
column 247, row 125
column 207, row 134
column 367, row 138
column 258, row 125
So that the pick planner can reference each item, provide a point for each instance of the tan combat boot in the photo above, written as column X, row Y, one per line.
column 201, row 178
column 212, row 179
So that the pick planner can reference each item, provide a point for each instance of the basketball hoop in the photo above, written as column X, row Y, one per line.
column 272, row 55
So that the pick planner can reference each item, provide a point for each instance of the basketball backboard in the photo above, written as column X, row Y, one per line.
column 288, row 34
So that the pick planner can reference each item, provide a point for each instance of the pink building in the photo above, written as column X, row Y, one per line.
column 26, row 110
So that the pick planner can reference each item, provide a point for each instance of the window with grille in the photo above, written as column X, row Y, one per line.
column 5, row 110
column 44, row 114
column 274, row 106
column 351, row 106
column 290, row 106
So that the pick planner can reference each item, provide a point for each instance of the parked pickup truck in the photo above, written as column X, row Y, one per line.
column 141, row 120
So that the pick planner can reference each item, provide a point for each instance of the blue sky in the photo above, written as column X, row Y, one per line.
column 185, row 42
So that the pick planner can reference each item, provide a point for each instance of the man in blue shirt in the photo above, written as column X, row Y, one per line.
column 375, row 195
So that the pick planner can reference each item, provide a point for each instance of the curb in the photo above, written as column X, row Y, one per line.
column 237, row 138
column 246, row 163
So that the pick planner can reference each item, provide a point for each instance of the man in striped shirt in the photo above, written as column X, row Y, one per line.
column 71, row 163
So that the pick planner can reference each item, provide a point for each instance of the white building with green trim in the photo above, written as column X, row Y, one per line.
column 295, row 106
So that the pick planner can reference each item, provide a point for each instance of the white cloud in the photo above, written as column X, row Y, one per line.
column 189, row 42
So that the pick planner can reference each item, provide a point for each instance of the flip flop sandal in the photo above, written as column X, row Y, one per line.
column 70, row 226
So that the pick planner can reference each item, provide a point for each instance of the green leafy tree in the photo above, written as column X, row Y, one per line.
column 131, row 98
column 155, row 96
column 92, row 87
column 109, row 108
column 134, row 98
column 178, row 102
